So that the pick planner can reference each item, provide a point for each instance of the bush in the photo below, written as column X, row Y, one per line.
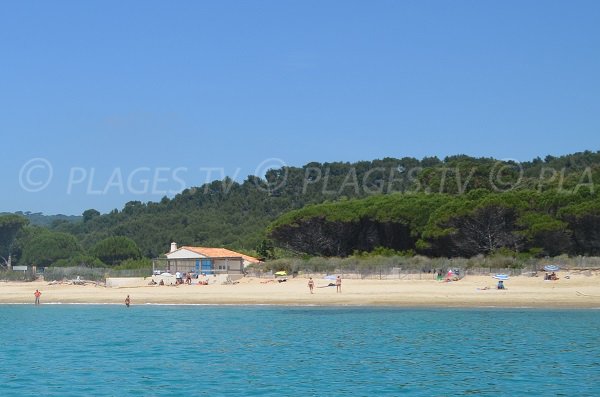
column 419, row 264
column 79, row 261
column 55, row 273
column 279, row 265
column 128, row 264
column 319, row 264
column 116, row 249
column 11, row 275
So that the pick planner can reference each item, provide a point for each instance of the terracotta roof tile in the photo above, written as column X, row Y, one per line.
column 219, row 253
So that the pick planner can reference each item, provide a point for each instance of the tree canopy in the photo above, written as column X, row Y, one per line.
column 480, row 222
column 427, row 206
column 114, row 250
column 10, row 226
column 46, row 248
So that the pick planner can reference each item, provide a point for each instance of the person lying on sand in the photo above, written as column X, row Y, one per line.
column 325, row 286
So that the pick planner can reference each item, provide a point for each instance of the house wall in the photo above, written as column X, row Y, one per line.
column 219, row 265
column 229, row 265
column 184, row 254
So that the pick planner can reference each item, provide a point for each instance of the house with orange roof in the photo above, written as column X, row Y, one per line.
column 206, row 260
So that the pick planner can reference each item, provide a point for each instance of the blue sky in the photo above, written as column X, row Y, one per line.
column 103, row 102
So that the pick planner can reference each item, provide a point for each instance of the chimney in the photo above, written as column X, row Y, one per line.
column 173, row 247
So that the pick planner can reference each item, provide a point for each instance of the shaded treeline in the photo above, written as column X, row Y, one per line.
column 442, row 225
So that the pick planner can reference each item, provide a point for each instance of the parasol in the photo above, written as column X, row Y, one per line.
column 551, row 268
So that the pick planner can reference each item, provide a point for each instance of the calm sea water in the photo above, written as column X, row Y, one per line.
column 95, row 350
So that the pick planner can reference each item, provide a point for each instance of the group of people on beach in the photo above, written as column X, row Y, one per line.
column 338, row 284
column 552, row 276
column 179, row 278
column 185, row 278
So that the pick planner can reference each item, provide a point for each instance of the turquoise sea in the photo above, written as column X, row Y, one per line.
column 108, row 350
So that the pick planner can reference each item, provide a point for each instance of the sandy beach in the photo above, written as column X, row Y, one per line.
column 576, row 291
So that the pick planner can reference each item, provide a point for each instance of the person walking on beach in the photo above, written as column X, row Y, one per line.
column 311, row 284
column 127, row 301
column 37, row 295
column 338, row 284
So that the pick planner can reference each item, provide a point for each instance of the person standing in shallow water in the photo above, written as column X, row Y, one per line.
column 311, row 284
column 127, row 301
column 37, row 295
column 338, row 284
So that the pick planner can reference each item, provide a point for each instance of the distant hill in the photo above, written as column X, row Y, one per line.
column 39, row 219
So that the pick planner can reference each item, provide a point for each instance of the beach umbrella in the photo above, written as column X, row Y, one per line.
column 330, row 277
column 551, row 268
column 501, row 277
column 281, row 273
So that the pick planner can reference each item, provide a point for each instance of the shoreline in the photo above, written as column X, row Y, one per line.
column 575, row 292
column 294, row 305
column 297, row 305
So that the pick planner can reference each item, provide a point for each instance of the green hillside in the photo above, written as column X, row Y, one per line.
column 401, row 195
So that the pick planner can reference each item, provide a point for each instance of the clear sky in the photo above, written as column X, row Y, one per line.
column 103, row 102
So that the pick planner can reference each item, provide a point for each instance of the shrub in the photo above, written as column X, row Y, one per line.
column 143, row 263
column 55, row 273
column 79, row 261
column 11, row 275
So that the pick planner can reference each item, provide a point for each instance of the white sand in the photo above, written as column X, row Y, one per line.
column 578, row 291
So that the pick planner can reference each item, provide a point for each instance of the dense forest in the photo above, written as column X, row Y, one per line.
column 543, row 206
column 479, row 222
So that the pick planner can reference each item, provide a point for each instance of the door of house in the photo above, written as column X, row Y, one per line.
column 207, row 267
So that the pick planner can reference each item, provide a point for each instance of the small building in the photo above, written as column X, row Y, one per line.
column 203, row 260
